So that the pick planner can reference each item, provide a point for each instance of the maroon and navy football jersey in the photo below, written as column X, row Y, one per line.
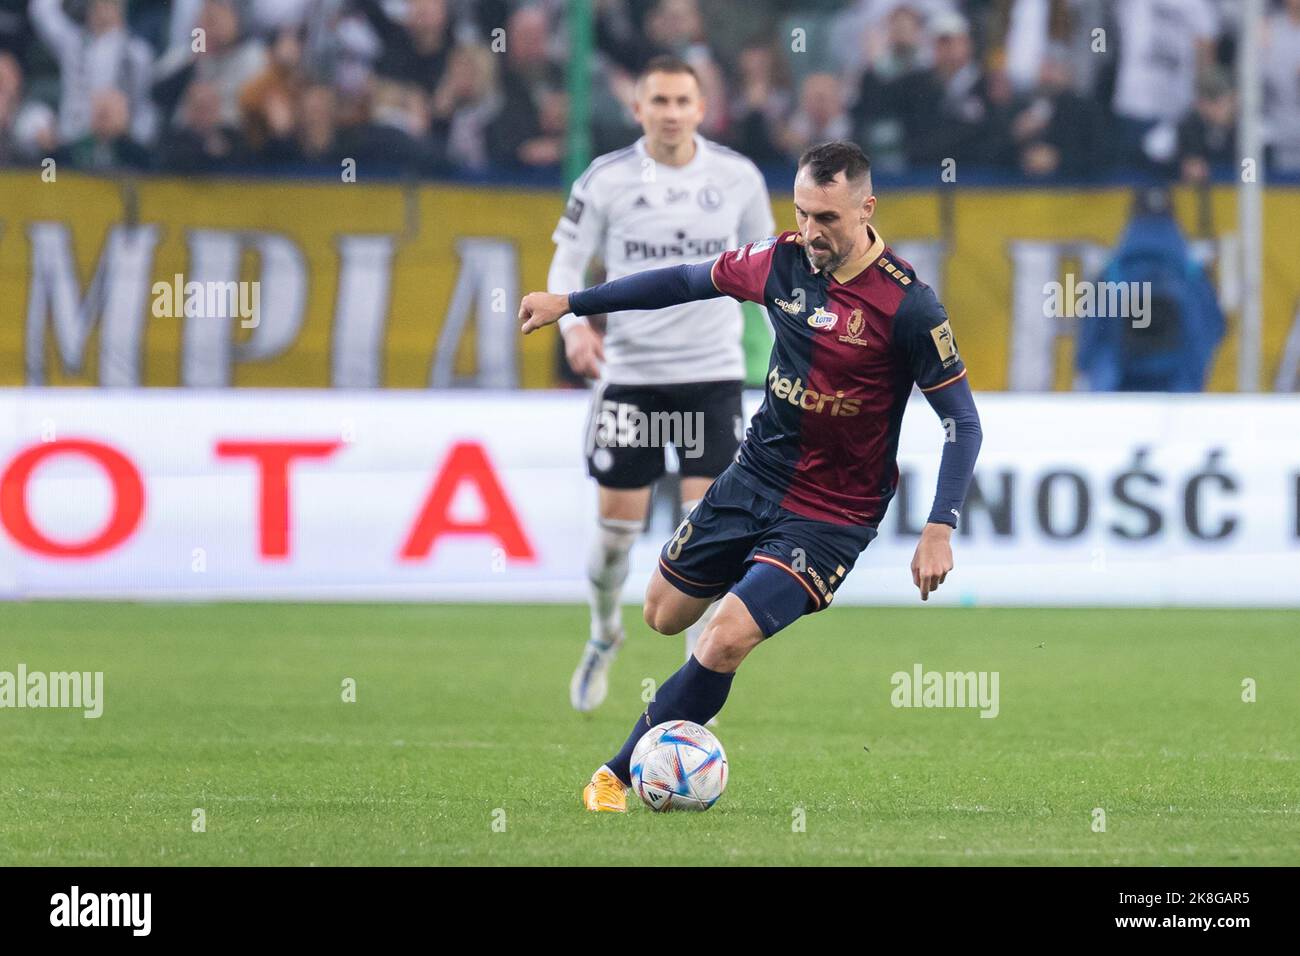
column 824, row 442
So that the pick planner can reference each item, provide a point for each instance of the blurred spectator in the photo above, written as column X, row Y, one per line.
column 1059, row 132
column 945, row 108
column 228, row 60
column 1282, row 79
column 464, row 106
column 414, row 51
column 200, row 143
column 530, row 129
column 877, row 119
column 395, row 137
column 859, row 35
column 1207, row 138
column 311, row 139
column 1163, row 45
column 1032, row 30
column 100, row 56
column 821, row 115
column 764, row 101
column 107, row 144
column 267, row 101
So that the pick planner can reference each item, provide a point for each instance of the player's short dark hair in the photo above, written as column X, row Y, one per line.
column 825, row 161
column 667, row 63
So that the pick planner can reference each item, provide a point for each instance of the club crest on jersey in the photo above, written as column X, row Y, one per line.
column 821, row 319
column 855, row 326
column 710, row 197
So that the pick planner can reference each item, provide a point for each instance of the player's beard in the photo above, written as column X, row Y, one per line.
column 836, row 260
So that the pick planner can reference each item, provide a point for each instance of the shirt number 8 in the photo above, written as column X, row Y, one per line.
column 680, row 537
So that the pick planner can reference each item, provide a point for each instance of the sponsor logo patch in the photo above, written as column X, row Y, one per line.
column 821, row 319
column 809, row 400
column 573, row 211
column 944, row 343
column 682, row 245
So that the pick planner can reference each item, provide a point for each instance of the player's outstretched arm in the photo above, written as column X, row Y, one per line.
column 655, row 289
column 955, row 406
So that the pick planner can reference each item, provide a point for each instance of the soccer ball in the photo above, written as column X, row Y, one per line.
column 679, row 765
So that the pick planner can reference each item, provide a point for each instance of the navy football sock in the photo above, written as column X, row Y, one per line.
column 693, row 693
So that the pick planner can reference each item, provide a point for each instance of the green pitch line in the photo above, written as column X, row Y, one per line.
column 461, row 721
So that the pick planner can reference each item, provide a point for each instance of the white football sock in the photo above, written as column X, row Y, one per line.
column 606, row 571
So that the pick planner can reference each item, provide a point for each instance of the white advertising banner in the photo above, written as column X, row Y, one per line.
column 483, row 496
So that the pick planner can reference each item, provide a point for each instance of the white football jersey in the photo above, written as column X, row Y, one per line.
column 637, row 214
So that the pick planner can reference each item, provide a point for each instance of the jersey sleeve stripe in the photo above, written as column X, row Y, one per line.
column 681, row 577
column 795, row 574
column 713, row 280
column 956, row 378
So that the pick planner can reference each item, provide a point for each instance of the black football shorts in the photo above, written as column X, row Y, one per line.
column 629, row 426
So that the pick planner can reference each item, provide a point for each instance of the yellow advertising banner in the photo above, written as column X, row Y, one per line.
column 108, row 282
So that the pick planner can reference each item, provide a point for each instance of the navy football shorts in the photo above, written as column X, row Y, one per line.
column 782, row 565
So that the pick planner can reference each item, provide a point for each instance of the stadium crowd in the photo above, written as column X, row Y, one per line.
column 1040, row 89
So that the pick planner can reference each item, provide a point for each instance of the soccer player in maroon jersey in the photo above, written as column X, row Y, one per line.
column 780, row 529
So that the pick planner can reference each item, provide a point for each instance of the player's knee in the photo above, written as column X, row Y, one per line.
column 728, row 639
column 607, row 564
column 722, row 650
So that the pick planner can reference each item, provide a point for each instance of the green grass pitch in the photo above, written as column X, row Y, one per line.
column 461, row 747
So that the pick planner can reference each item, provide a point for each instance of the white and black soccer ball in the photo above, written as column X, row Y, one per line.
column 679, row 765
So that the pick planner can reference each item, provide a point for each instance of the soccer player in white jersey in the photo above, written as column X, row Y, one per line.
column 671, row 198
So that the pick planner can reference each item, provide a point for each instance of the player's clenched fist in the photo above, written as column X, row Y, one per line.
column 541, row 308
column 933, row 559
